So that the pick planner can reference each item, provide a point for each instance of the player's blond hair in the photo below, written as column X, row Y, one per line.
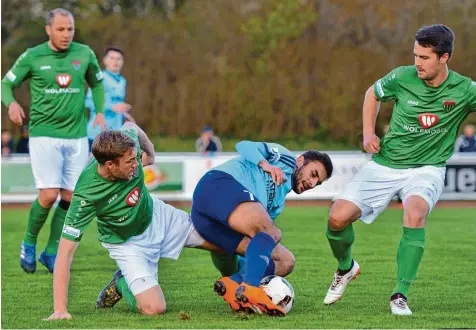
column 111, row 145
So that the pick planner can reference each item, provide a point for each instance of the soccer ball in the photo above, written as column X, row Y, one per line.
column 279, row 290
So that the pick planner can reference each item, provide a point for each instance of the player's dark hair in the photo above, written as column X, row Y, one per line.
column 314, row 155
column 438, row 36
column 114, row 49
column 111, row 145
column 58, row 11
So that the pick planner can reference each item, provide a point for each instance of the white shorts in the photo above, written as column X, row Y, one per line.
column 375, row 186
column 138, row 258
column 57, row 163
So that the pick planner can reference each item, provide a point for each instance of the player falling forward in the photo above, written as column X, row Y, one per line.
column 235, row 205
column 431, row 102
column 135, row 227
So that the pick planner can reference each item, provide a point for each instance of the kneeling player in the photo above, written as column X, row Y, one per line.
column 135, row 227
column 235, row 204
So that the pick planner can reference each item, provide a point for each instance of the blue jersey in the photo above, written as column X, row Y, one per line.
column 246, row 171
column 115, row 89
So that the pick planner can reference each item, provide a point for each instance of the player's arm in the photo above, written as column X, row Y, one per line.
column 80, row 213
column 384, row 89
column 260, row 154
column 472, row 96
column 144, row 142
column 20, row 71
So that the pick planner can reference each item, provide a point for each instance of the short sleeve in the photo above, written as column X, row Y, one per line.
column 386, row 88
column 472, row 97
column 80, row 214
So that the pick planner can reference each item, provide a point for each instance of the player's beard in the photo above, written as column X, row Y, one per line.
column 297, row 177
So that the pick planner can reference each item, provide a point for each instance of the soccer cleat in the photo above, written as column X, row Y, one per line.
column 109, row 296
column 226, row 288
column 339, row 283
column 48, row 261
column 28, row 257
column 256, row 297
column 398, row 305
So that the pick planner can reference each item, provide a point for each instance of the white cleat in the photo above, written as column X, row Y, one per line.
column 399, row 305
column 340, row 282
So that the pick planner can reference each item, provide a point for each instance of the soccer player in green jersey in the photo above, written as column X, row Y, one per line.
column 431, row 102
column 138, row 229
column 57, row 70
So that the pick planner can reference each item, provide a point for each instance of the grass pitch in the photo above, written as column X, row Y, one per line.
column 443, row 296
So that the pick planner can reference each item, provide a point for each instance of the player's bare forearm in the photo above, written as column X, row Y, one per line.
column 370, row 111
column 61, row 275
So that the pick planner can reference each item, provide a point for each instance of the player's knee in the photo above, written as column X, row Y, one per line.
column 151, row 309
column 47, row 197
column 415, row 218
column 271, row 230
column 338, row 220
column 289, row 262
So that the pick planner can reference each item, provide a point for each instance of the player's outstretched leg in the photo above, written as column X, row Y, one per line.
column 109, row 295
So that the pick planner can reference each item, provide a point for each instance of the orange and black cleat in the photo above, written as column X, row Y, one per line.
column 226, row 288
column 255, row 296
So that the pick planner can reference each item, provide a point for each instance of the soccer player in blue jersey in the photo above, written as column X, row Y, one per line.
column 235, row 205
column 115, row 109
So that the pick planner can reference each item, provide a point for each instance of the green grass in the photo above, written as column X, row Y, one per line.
column 443, row 295
column 187, row 144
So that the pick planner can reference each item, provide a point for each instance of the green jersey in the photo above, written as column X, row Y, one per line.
column 123, row 208
column 57, row 85
column 425, row 120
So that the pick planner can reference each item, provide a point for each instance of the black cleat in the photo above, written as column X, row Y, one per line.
column 109, row 296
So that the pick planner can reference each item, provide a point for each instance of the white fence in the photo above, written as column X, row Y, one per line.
column 175, row 175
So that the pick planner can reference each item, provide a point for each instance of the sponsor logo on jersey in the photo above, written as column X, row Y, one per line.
column 63, row 79
column 76, row 65
column 133, row 197
column 112, row 199
column 68, row 230
column 411, row 102
column 449, row 105
column 427, row 120
column 45, row 67
column 11, row 76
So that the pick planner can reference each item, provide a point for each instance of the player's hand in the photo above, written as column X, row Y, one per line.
column 59, row 316
column 100, row 121
column 146, row 159
column 275, row 172
column 121, row 107
column 372, row 144
column 16, row 113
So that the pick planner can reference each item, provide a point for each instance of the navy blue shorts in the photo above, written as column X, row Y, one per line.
column 216, row 196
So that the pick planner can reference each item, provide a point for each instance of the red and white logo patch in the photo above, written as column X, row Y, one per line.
column 427, row 120
column 63, row 79
column 133, row 197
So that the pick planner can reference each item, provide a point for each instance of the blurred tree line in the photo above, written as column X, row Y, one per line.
column 263, row 69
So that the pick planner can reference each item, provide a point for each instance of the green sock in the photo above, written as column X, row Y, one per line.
column 410, row 252
column 123, row 290
column 226, row 264
column 36, row 220
column 341, row 245
column 56, row 228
